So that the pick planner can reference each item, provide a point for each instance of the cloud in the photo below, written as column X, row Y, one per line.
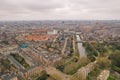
column 59, row 9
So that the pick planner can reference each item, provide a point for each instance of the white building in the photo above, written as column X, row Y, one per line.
column 54, row 31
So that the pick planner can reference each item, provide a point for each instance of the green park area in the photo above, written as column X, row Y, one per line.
column 20, row 60
column 107, row 55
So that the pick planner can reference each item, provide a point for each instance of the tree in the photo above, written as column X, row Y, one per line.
column 103, row 62
column 115, row 58
column 43, row 76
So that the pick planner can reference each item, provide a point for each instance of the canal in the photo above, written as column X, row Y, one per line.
column 81, row 49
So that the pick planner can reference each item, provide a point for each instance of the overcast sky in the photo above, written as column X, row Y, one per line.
column 59, row 9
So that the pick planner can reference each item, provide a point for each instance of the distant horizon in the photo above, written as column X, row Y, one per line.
column 62, row 20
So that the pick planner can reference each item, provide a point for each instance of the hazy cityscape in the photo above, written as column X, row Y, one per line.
column 60, row 50
column 59, row 39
